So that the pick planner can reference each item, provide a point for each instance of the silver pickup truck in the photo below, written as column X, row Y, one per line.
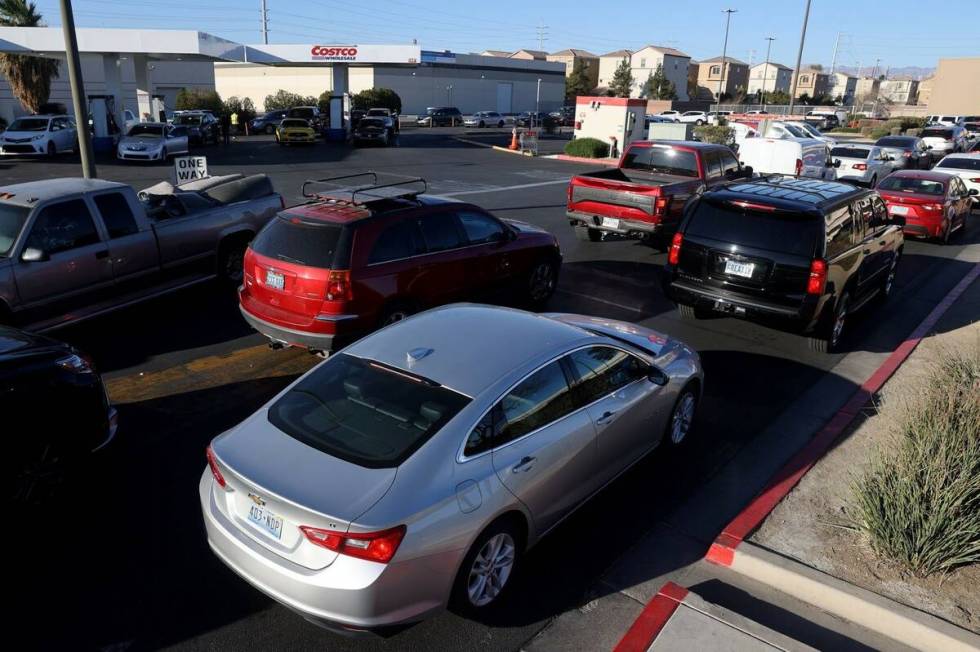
column 74, row 248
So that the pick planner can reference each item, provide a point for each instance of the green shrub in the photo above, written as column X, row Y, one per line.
column 189, row 99
column 378, row 98
column 919, row 500
column 879, row 132
column 847, row 130
column 587, row 147
column 283, row 99
column 718, row 134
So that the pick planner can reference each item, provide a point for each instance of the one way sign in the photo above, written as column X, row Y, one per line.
column 189, row 168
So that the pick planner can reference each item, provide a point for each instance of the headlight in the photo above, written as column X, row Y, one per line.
column 38, row 137
column 75, row 363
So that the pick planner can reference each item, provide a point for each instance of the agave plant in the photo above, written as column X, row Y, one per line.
column 29, row 76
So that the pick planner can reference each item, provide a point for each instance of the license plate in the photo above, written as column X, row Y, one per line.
column 611, row 222
column 898, row 210
column 275, row 280
column 266, row 520
column 739, row 269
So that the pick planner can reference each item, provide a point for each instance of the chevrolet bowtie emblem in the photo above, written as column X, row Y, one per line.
column 256, row 499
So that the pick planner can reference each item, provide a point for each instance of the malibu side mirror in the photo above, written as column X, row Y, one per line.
column 34, row 255
column 657, row 377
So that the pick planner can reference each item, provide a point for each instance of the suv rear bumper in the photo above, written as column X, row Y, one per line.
column 577, row 218
column 799, row 318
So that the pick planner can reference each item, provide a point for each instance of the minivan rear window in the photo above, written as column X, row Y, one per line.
column 289, row 239
column 364, row 412
column 786, row 231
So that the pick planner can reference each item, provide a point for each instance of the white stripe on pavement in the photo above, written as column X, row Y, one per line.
column 518, row 187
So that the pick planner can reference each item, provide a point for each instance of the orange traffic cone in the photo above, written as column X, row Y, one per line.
column 513, row 139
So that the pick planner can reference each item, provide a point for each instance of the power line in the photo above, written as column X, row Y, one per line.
column 542, row 35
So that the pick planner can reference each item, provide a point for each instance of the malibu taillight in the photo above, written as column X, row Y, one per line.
column 373, row 546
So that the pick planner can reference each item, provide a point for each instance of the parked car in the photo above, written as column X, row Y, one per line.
column 413, row 470
column 645, row 194
column 949, row 120
column 650, row 119
column 202, row 127
column 372, row 130
column 389, row 117
column 714, row 115
column 778, row 129
column 757, row 112
column 801, row 157
column 972, row 130
column 539, row 119
column 484, row 119
column 324, row 273
column 71, row 249
column 864, row 164
column 966, row 166
column 40, row 134
column 674, row 116
column 309, row 113
column 910, row 152
column 152, row 141
column 355, row 117
column 267, row 122
column 933, row 204
column 943, row 140
column 441, row 116
column 565, row 116
column 826, row 118
column 53, row 400
column 696, row 117
column 809, row 131
column 295, row 131
column 796, row 254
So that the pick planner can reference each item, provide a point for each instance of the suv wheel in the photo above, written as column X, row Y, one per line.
column 231, row 263
column 699, row 122
column 829, row 339
column 487, row 568
column 587, row 234
column 541, row 282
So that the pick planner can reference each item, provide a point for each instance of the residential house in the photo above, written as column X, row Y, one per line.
column 731, row 75
column 955, row 87
column 770, row 77
column 812, row 82
column 571, row 56
column 675, row 65
column 866, row 89
column 925, row 90
column 844, row 86
column 496, row 53
column 533, row 55
column 608, row 63
column 899, row 91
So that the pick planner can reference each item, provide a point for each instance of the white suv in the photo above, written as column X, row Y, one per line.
column 39, row 134
column 697, row 117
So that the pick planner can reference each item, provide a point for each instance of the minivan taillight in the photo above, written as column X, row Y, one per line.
column 818, row 277
column 674, row 256
column 338, row 286
column 373, row 546
column 799, row 166
column 215, row 471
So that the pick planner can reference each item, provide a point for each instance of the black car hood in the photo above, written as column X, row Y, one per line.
column 14, row 341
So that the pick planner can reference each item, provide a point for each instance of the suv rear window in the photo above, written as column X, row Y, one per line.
column 850, row 152
column 291, row 240
column 785, row 231
column 662, row 159
column 364, row 412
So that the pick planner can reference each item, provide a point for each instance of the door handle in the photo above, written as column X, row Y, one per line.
column 104, row 253
column 606, row 417
column 525, row 464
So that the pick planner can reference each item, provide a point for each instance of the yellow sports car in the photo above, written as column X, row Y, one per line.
column 294, row 130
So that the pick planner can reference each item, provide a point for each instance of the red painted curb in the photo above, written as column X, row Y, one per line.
column 652, row 619
column 583, row 159
column 722, row 551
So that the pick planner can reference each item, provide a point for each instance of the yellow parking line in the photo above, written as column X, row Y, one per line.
column 210, row 371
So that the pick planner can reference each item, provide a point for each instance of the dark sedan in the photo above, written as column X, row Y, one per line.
column 202, row 126
column 539, row 119
column 909, row 152
column 268, row 122
column 55, row 411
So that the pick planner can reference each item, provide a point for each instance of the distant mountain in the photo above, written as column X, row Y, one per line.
column 915, row 72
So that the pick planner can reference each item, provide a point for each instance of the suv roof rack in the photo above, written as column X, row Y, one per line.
column 372, row 192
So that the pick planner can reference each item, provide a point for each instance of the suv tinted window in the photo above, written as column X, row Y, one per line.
column 538, row 400
column 786, row 231
column 63, row 226
column 298, row 242
column 440, row 231
column 840, row 232
column 116, row 214
column 399, row 240
column 480, row 228
column 601, row 370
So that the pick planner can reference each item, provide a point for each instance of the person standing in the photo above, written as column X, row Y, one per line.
column 226, row 127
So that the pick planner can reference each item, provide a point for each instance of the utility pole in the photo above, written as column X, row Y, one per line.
column 724, row 50
column 751, row 57
column 765, row 72
column 265, row 23
column 77, row 91
column 799, row 58
column 542, row 35
column 833, row 64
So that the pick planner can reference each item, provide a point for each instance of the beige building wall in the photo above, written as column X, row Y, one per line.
column 644, row 63
column 812, row 83
column 734, row 77
column 956, row 87
column 608, row 64
column 769, row 78
column 925, row 91
column 591, row 65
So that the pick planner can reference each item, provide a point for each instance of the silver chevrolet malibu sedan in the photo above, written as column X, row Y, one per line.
column 414, row 468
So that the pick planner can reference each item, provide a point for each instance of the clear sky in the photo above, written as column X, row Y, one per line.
column 899, row 32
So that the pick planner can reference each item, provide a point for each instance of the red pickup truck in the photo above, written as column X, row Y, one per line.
column 645, row 195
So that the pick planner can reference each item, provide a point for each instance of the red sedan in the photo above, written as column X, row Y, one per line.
column 934, row 204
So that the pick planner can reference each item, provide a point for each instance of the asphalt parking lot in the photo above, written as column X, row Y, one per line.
column 120, row 561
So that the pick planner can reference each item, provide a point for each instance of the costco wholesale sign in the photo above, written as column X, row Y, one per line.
column 334, row 52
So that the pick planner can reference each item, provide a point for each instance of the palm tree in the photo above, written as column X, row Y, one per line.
column 29, row 76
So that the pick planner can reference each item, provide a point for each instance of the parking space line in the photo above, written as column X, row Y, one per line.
column 600, row 300
column 503, row 188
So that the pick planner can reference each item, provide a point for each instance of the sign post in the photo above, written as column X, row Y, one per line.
column 190, row 168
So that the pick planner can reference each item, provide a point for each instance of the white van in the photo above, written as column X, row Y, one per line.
column 801, row 157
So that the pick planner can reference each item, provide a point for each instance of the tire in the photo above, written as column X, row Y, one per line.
column 888, row 283
column 828, row 339
column 482, row 124
column 944, row 238
column 699, row 122
column 496, row 552
column 231, row 261
column 500, row 125
column 585, row 233
column 681, row 418
column 874, row 181
column 35, row 471
column 688, row 312
column 52, row 150
column 163, row 155
column 541, row 282
column 395, row 312
column 269, row 130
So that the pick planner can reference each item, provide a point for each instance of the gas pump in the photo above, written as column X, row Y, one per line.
column 338, row 127
column 102, row 122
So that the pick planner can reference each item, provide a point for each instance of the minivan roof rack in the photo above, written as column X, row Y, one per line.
column 372, row 192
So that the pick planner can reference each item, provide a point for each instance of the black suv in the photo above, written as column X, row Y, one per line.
column 202, row 127
column 798, row 254
column 447, row 116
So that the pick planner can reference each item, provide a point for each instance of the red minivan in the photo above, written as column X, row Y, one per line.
column 321, row 274
column 934, row 204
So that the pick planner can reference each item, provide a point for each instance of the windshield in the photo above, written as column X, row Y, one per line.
column 146, row 130
column 364, row 412
column 29, row 124
column 785, row 231
column 378, row 112
column 917, row 186
column 185, row 119
column 288, row 239
column 301, row 113
column 796, row 131
column 661, row 159
column 294, row 124
column 12, row 220
column 850, row 152
column 895, row 141
column 946, row 134
column 958, row 163
column 810, row 129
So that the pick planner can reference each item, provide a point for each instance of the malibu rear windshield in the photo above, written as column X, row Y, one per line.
column 786, row 231
column 850, row 152
column 666, row 160
column 364, row 412
column 896, row 141
column 289, row 239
